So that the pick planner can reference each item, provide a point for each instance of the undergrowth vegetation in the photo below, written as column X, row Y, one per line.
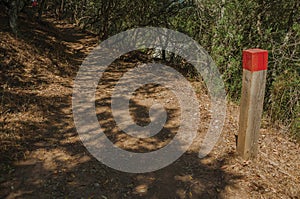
column 224, row 28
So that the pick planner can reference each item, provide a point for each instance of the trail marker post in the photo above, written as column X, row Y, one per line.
column 255, row 63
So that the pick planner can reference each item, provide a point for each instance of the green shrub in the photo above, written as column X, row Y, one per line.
column 284, row 100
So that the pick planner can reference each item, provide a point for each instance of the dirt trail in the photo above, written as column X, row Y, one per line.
column 43, row 157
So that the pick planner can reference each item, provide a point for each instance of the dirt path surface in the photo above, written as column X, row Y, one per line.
column 43, row 157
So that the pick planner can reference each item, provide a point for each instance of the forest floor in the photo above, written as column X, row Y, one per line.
column 41, row 155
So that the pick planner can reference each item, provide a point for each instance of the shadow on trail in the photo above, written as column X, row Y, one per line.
column 43, row 157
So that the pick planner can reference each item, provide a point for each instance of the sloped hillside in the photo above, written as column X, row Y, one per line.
column 41, row 155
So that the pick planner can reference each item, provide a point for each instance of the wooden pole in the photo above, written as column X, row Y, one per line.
column 255, row 63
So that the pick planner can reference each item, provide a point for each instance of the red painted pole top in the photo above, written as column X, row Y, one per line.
column 255, row 59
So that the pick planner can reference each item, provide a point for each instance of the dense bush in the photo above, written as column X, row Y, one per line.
column 228, row 27
column 224, row 28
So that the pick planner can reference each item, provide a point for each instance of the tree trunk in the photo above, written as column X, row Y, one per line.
column 13, row 16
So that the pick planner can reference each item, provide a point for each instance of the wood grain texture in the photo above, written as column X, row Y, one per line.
column 251, row 107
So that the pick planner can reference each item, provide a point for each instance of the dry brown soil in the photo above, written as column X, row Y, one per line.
column 41, row 155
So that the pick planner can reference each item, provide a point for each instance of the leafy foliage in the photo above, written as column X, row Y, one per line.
column 224, row 28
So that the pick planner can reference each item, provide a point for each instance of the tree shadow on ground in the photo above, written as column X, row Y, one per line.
column 50, row 161
column 43, row 157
